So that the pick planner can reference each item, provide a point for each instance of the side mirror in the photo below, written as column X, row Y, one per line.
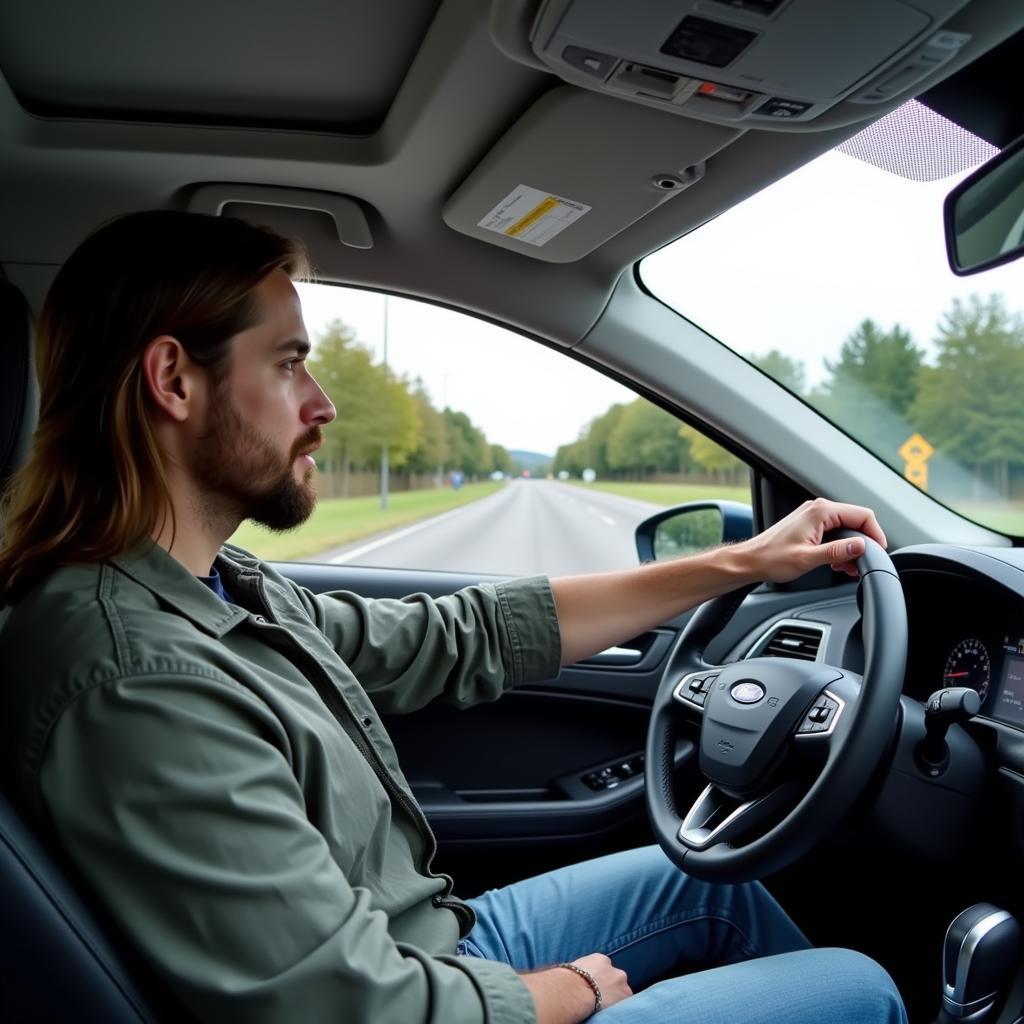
column 984, row 214
column 695, row 526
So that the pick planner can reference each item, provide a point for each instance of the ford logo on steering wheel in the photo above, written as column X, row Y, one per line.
column 747, row 692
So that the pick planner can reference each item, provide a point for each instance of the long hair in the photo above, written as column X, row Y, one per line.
column 95, row 484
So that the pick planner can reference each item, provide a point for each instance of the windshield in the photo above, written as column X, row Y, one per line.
column 834, row 281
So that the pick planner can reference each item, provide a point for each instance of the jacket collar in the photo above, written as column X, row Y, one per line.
column 172, row 584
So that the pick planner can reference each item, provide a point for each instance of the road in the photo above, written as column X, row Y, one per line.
column 529, row 526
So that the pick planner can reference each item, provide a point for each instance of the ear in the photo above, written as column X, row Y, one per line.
column 173, row 380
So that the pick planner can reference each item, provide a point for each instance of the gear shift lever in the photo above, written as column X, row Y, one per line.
column 978, row 963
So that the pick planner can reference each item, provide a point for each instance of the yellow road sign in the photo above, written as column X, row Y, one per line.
column 916, row 449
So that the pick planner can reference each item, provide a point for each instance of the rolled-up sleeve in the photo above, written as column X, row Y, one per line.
column 465, row 648
column 176, row 800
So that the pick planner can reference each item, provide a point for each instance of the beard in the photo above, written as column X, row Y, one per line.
column 243, row 475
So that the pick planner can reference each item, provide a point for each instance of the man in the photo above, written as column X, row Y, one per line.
column 202, row 736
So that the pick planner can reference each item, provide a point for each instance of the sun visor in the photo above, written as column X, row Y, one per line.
column 576, row 169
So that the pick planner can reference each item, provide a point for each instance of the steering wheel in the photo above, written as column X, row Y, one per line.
column 786, row 746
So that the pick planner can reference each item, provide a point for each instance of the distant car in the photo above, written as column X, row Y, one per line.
column 497, row 475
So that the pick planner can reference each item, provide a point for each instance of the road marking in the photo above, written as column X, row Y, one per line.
column 401, row 534
column 608, row 520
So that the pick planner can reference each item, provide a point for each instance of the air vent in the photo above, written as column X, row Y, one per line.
column 791, row 639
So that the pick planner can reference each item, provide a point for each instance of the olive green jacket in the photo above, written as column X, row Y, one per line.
column 225, row 785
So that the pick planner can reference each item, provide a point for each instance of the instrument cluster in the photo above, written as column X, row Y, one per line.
column 965, row 631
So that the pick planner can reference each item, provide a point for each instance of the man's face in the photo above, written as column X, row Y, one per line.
column 252, row 459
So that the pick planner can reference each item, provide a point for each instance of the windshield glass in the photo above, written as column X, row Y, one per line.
column 834, row 281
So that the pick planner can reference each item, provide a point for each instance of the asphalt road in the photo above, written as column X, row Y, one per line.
column 529, row 526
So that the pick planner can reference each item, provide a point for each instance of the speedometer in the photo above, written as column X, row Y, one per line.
column 968, row 664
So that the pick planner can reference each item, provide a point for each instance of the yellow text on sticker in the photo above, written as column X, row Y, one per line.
column 532, row 217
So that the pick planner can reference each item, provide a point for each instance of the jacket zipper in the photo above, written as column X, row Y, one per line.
column 332, row 698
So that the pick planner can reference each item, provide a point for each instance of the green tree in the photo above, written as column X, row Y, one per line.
column 708, row 454
column 969, row 403
column 884, row 363
column 431, row 452
column 594, row 440
column 501, row 459
column 790, row 373
column 467, row 446
column 871, row 388
column 373, row 408
column 571, row 458
column 645, row 439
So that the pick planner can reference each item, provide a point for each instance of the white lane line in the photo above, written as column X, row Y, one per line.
column 608, row 520
column 400, row 534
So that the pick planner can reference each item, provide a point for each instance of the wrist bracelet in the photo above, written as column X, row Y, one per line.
column 589, row 979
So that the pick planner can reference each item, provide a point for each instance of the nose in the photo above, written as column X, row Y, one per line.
column 317, row 408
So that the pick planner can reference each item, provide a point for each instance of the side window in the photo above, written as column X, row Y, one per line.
column 462, row 446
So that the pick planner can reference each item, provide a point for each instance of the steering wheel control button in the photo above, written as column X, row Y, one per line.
column 747, row 692
column 693, row 689
column 821, row 717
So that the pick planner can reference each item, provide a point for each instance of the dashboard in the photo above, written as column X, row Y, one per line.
column 966, row 628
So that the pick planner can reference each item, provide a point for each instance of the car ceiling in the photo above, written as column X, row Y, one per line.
column 405, row 107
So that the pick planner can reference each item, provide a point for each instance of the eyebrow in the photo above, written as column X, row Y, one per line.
column 296, row 345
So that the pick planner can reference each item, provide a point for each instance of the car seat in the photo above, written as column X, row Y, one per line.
column 57, row 962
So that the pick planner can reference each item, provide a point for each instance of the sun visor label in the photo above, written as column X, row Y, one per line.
column 532, row 216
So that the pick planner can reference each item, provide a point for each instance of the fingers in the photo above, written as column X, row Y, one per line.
column 839, row 552
column 793, row 545
column 853, row 517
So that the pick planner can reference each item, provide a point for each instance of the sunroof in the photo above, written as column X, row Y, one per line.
column 332, row 66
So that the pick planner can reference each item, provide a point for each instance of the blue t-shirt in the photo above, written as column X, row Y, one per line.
column 216, row 584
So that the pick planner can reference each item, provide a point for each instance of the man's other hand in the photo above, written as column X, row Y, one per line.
column 563, row 997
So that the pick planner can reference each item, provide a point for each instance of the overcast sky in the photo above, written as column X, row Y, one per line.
column 521, row 394
column 795, row 268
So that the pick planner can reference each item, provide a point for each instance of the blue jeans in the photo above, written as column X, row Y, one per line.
column 650, row 919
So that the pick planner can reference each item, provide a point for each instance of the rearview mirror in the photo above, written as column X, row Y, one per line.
column 984, row 214
column 693, row 527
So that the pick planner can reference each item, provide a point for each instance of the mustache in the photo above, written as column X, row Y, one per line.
column 311, row 440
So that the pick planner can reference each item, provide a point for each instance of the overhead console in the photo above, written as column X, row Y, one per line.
column 658, row 97
column 744, row 62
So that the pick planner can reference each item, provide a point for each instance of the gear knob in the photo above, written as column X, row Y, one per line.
column 979, row 961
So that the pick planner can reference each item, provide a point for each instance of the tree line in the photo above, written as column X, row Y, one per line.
column 376, row 408
column 968, row 403
column 637, row 440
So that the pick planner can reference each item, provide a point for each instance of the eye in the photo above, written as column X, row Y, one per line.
column 289, row 364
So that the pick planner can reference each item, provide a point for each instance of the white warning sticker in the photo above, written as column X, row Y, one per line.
column 532, row 216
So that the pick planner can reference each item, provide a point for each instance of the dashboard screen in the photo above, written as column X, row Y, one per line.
column 1009, row 702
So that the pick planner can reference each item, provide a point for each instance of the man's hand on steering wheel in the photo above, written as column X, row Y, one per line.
column 793, row 546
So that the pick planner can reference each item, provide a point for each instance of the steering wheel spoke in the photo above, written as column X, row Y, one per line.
column 716, row 817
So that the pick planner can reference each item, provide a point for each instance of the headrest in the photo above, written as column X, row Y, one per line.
column 18, row 394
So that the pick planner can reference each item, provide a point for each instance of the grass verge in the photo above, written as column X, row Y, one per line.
column 337, row 521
